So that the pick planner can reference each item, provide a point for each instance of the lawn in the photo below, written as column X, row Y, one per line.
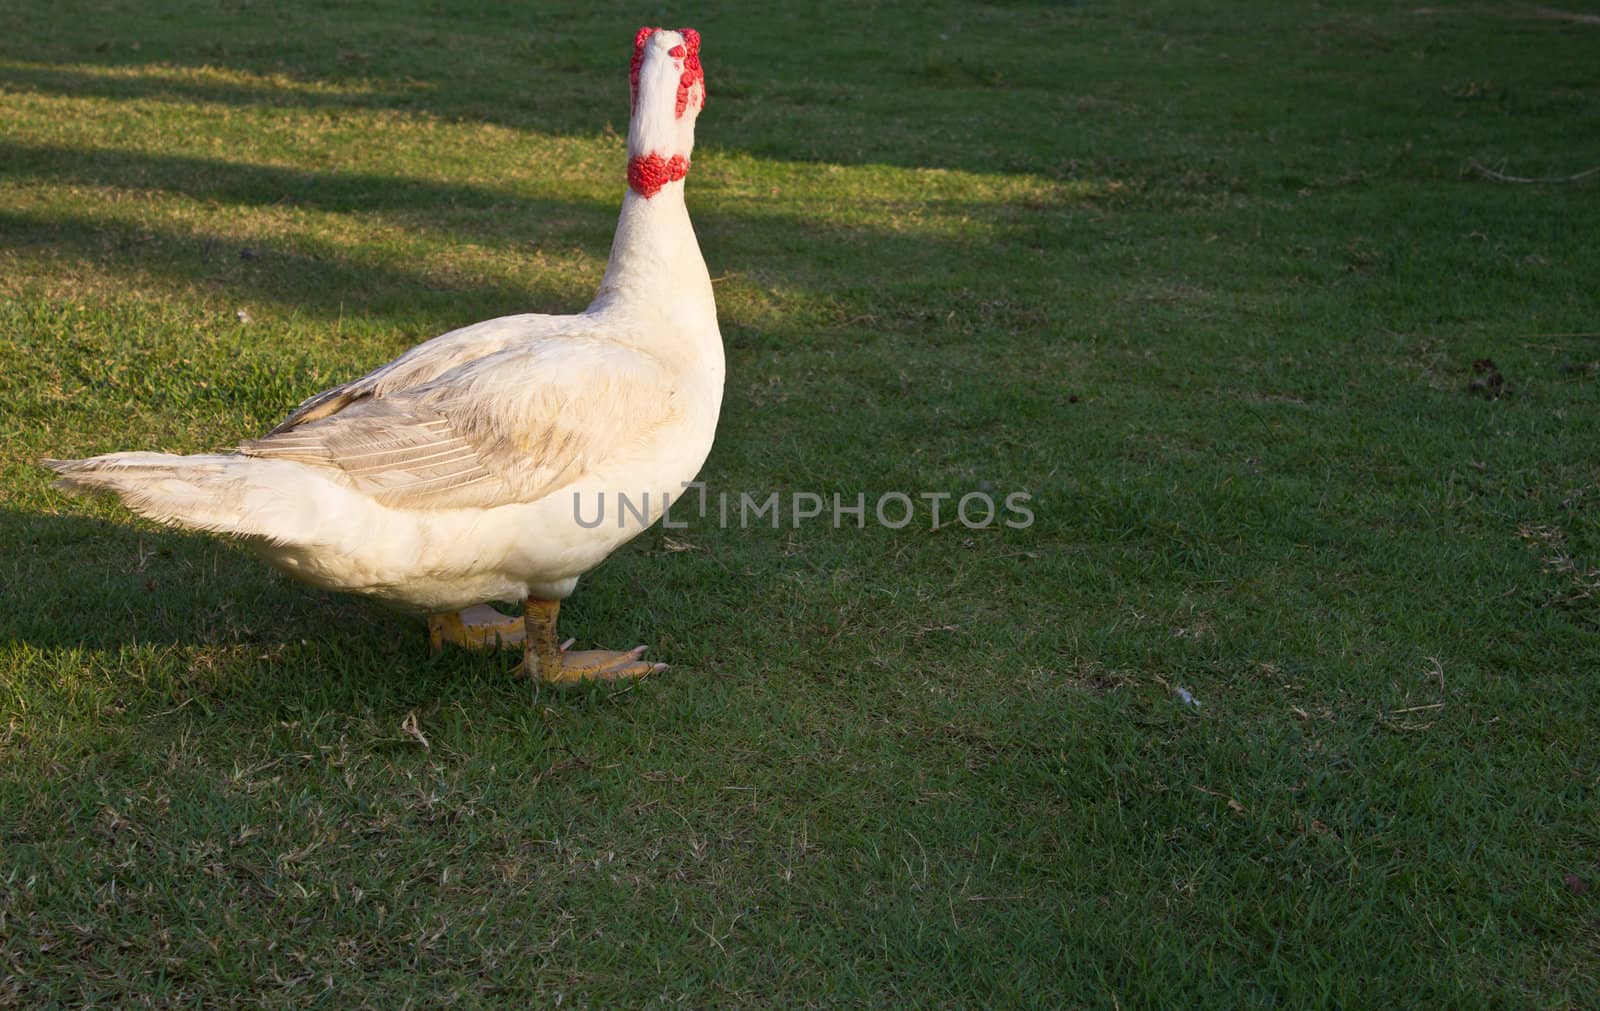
column 1288, row 697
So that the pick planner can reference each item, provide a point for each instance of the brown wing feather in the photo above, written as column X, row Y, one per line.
column 403, row 460
column 489, row 435
column 430, row 360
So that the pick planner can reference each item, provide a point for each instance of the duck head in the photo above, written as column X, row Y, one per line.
column 668, row 92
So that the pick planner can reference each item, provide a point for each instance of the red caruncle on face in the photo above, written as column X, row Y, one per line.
column 687, row 56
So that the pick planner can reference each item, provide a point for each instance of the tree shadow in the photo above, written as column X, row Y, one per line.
column 311, row 274
column 199, row 84
column 775, row 94
column 321, row 276
column 429, row 203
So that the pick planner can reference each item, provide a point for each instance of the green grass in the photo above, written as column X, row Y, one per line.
column 1208, row 285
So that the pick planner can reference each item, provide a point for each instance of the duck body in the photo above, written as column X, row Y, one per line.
column 489, row 463
column 447, row 558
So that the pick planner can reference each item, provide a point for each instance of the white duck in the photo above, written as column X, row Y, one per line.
column 472, row 467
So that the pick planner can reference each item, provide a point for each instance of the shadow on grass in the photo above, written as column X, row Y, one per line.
column 104, row 584
column 328, row 278
column 133, row 636
column 308, row 275
column 79, row 581
column 187, row 615
column 433, row 202
column 119, row 643
column 562, row 71
column 194, row 84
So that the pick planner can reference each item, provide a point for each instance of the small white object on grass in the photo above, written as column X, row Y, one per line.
column 1186, row 698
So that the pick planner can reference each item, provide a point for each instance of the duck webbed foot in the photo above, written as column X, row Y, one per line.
column 479, row 628
column 545, row 658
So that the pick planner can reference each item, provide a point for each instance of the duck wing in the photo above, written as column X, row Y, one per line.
column 430, row 360
column 509, row 427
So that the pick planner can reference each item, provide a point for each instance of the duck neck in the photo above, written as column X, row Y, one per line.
column 654, row 254
column 655, row 262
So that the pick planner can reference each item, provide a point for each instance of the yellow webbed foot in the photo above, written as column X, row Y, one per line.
column 544, row 660
column 479, row 628
column 574, row 666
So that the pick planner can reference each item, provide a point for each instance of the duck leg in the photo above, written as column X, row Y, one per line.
column 479, row 628
column 545, row 658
